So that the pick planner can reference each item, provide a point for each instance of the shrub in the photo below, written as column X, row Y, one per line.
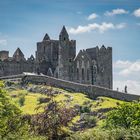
column 11, row 125
column 103, row 134
column 43, row 100
column 50, row 122
column 21, row 100
column 90, row 120
column 126, row 115
column 9, row 83
column 85, row 109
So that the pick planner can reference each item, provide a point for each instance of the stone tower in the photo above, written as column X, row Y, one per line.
column 67, row 52
column 104, row 61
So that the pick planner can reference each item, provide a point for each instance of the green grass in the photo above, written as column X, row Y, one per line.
column 70, row 99
column 105, row 102
column 75, row 98
column 31, row 101
column 31, row 104
column 80, row 99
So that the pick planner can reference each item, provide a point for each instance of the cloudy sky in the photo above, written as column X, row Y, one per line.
column 114, row 23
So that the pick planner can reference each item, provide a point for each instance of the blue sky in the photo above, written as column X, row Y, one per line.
column 114, row 23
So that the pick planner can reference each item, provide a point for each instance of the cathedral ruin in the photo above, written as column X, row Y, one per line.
column 57, row 58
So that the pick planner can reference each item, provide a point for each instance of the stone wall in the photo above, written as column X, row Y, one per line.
column 90, row 90
column 16, row 67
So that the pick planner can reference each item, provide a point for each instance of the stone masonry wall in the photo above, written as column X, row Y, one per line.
column 91, row 91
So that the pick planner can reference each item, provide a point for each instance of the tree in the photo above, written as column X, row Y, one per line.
column 50, row 123
column 11, row 124
column 126, row 115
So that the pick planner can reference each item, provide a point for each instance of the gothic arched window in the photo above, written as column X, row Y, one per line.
column 93, row 73
column 77, row 72
column 82, row 64
column 83, row 74
column 94, row 69
column 78, row 64
column 87, row 73
column 87, row 64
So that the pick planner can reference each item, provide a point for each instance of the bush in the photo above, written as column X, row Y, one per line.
column 51, row 122
column 85, row 109
column 88, row 119
column 103, row 134
column 9, row 83
column 43, row 100
column 21, row 100
column 11, row 125
column 126, row 115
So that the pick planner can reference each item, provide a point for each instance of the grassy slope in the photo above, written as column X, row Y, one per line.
column 31, row 102
column 76, row 99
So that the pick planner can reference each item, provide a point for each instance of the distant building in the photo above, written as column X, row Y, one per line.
column 4, row 55
column 58, row 58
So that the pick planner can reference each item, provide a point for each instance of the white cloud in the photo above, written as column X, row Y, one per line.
column 121, row 25
column 127, row 73
column 133, row 86
column 138, row 24
column 133, row 68
column 3, row 42
column 92, row 16
column 127, row 68
column 116, row 12
column 95, row 26
column 121, row 64
column 137, row 12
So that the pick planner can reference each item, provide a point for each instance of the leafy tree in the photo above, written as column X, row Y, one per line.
column 50, row 123
column 126, row 115
column 11, row 124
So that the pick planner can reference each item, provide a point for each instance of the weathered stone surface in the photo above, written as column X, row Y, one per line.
column 92, row 91
column 57, row 58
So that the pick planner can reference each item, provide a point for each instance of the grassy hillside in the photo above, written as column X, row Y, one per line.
column 31, row 99
column 73, row 115
column 32, row 94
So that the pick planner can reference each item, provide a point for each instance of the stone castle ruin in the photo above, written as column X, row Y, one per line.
column 57, row 58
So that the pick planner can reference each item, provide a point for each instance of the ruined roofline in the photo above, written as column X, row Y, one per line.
column 63, row 32
column 46, row 37
column 51, row 40
column 3, row 51
column 84, row 52
column 54, row 40
column 99, row 49
column 11, row 58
